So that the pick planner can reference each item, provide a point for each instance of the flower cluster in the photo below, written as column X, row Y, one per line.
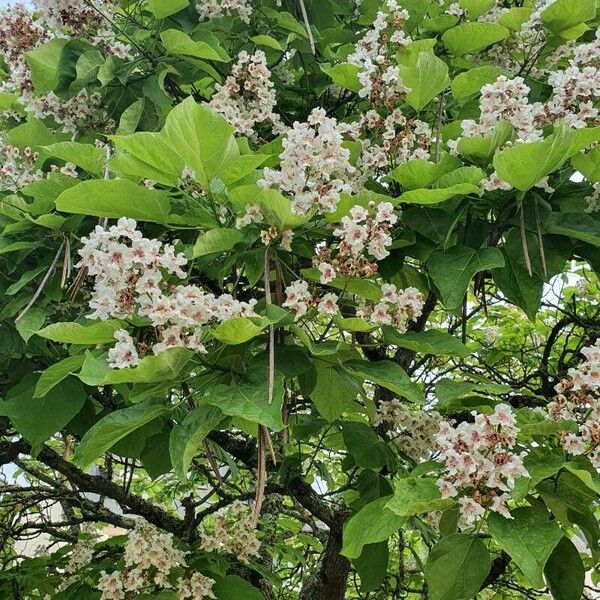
column 18, row 168
column 414, row 432
column 576, row 88
column 150, row 557
column 198, row 586
column 392, row 140
column 82, row 111
column 395, row 307
column 212, row 9
column 131, row 279
column 75, row 17
column 505, row 100
column 298, row 297
column 380, row 76
column 232, row 532
column 365, row 230
column 314, row 165
column 481, row 463
column 247, row 98
column 19, row 32
column 578, row 400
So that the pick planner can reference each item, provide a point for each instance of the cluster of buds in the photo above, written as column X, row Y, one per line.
column 19, row 167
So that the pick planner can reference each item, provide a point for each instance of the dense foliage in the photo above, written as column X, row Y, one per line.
column 299, row 299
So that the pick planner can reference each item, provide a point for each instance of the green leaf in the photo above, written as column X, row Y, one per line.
column 565, row 572
column 473, row 37
column 562, row 15
column 457, row 566
column 165, row 8
column 45, row 64
column 268, row 41
column 432, row 341
column 470, row 82
column 580, row 226
column 588, row 164
column 248, row 398
column 238, row 330
column 239, row 168
column 372, row 566
column 86, row 68
column 177, row 42
column 528, row 538
column 476, row 8
column 88, row 157
column 415, row 495
column 149, row 155
column 55, row 373
column 452, row 270
column 483, row 148
column 99, row 332
column 130, row 117
column 187, row 436
column 331, row 393
column 167, row 366
column 217, row 240
column 37, row 419
column 426, row 79
column 387, row 374
column 367, row 449
column 345, row 75
column 373, row 523
column 523, row 165
column 202, row 138
column 419, row 173
column 114, row 199
column 233, row 587
column 428, row 197
column 30, row 323
column 114, row 427
column 514, row 18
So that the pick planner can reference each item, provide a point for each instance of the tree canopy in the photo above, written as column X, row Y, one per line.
column 299, row 299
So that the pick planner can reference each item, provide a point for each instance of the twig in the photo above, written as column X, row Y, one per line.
column 311, row 39
column 42, row 285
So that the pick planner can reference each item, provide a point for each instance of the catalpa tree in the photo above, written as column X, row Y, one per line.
column 299, row 300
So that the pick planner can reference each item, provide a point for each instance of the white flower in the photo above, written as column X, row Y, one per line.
column 124, row 353
column 328, row 304
column 327, row 272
